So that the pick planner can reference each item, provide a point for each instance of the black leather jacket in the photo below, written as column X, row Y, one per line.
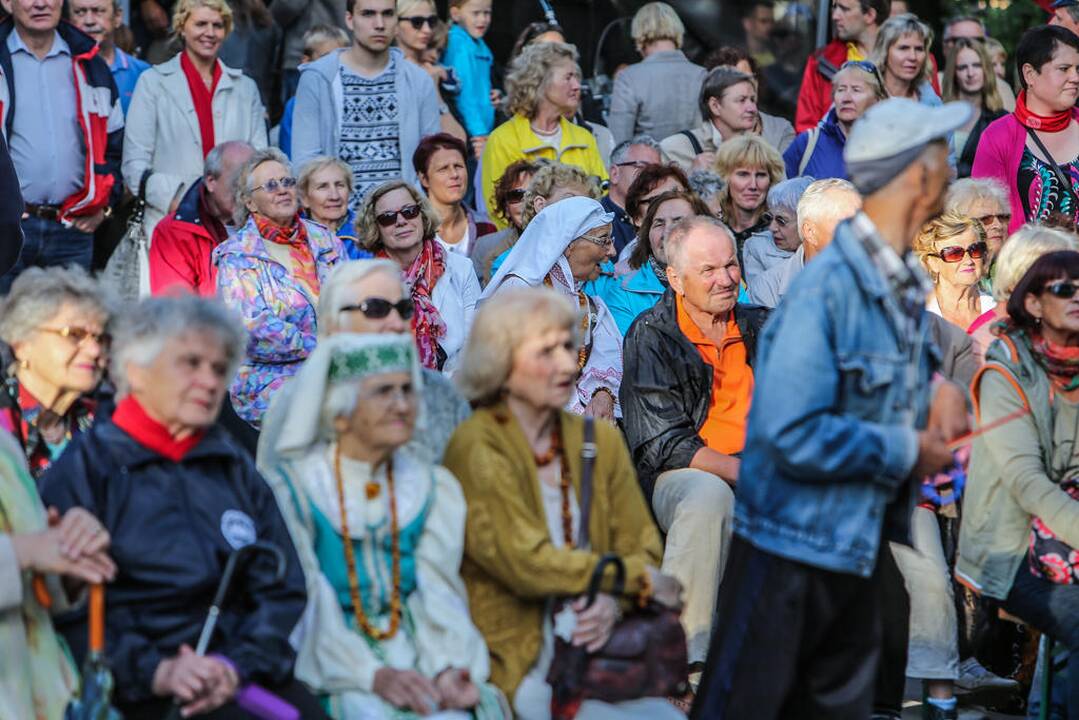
column 667, row 386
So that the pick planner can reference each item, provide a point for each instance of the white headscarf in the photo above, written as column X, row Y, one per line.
column 546, row 238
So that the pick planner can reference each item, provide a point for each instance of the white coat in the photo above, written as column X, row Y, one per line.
column 455, row 295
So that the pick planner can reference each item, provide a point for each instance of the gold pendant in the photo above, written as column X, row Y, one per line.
column 373, row 490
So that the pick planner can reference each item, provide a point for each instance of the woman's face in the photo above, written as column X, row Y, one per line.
column 405, row 234
column 327, row 196
column 269, row 197
column 994, row 218
column 587, row 253
column 562, row 87
column 964, row 273
column 416, row 40
column 737, row 108
column 544, row 370
column 1056, row 83
column 515, row 204
column 852, row 95
column 373, row 286
column 1000, row 65
column 784, row 229
column 385, row 413
column 67, row 353
column 446, row 179
column 906, row 57
column 749, row 187
column 667, row 215
column 668, row 184
column 203, row 33
column 969, row 73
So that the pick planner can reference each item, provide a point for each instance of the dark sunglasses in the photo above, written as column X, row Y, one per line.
column 271, row 186
column 1064, row 289
column 408, row 212
column 516, row 195
column 418, row 21
column 378, row 308
column 954, row 253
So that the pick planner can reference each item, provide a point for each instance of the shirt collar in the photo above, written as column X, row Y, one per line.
column 119, row 60
column 16, row 44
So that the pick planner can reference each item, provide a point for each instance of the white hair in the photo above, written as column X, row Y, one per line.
column 818, row 202
column 333, row 298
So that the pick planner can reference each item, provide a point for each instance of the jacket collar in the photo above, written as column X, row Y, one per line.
column 217, row 443
column 666, row 56
column 664, row 317
column 862, row 266
column 229, row 75
column 522, row 128
column 644, row 280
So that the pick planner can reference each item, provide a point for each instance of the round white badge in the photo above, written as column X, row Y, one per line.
column 238, row 529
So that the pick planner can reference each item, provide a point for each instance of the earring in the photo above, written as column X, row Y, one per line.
column 24, row 364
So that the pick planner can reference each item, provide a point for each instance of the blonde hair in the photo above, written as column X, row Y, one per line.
column 890, row 33
column 404, row 6
column 184, row 8
column 657, row 21
column 367, row 228
column 745, row 151
column 945, row 227
column 990, row 96
column 316, row 164
column 500, row 327
column 551, row 176
column 1019, row 252
column 965, row 192
column 529, row 74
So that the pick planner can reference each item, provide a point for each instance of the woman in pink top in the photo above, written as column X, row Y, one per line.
column 1019, row 149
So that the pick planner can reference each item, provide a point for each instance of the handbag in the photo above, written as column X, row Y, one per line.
column 127, row 271
column 645, row 655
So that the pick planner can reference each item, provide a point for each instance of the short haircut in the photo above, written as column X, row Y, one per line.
column 332, row 296
column 1026, row 245
column 676, row 241
column 317, row 164
column 718, row 81
column 647, row 180
column 244, row 190
column 657, row 21
column 321, row 34
column 213, row 166
column 1038, row 45
column 505, row 184
column 367, row 228
column 786, row 194
column 962, row 194
column 950, row 87
column 705, row 183
column 750, row 7
column 945, row 227
column 551, row 176
column 500, row 328
column 621, row 150
column 529, row 73
column 749, row 151
column 642, row 251
column 730, row 56
column 890, row 33
column 883, row 8
column 953, row 21
column 38, row 294
column 429, row 145
column 404, row 6
column 1046, row 269
column 184, row 8
column 817, row 201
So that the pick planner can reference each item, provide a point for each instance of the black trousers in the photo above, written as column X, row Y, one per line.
column 292, row 692
column 794, row 641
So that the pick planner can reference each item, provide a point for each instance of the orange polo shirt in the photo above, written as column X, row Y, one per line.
column 724, row 429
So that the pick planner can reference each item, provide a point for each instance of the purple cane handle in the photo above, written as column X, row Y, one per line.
column 263, row 704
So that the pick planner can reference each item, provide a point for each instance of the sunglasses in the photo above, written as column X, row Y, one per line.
column 378, row 308
column 1064, row 289
column 418, row 21
column 864, row 65
column 80, row 335
column 954, row 253
column 388, row 219
column 1002, row 219
column 272, row 185
column 515, row 196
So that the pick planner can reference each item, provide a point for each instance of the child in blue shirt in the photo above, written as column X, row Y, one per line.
column 469, row 56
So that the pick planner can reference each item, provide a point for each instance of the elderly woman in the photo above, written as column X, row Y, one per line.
column 953, row 250
column 509, row 206
column 178, row 498
column 645, row 279
column 325, row 185
column 54, row 322
column 984, row 200
column 901, row 53
column 765, row 250
column 818, row 152
column 518, row 461
column 439, row 162
column 563, row 248
column 544, row 85
column 1020, row 516
column 391, row 632
column 182, row 108
column 750, row 167
column 398, row 223
column 271, row 272
column 969, row 77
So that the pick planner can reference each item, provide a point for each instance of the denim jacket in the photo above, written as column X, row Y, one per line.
column 831, row 440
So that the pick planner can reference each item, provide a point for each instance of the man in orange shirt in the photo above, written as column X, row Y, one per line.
column 686, row 389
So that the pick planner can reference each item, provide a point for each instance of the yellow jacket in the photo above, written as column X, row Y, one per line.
column 510, row 566
column 514, row 140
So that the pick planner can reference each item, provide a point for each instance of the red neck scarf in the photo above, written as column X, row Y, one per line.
column 1046, row 123
column 427, row 324
column 299, row 250
column 130, row 417
column 203, row 98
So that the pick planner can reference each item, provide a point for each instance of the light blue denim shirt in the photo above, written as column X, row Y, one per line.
column 46, row 141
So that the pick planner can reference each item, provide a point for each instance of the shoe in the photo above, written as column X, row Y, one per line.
column 932, row 712
column 972, row 677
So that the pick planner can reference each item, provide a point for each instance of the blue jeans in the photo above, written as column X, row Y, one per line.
column 47, row 243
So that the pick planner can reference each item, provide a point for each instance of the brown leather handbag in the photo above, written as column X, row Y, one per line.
column 646, row 653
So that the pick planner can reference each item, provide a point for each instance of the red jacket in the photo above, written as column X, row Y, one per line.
column 181, row 247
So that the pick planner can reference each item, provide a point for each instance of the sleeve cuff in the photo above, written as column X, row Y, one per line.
column 900, row 453
column 11, row 585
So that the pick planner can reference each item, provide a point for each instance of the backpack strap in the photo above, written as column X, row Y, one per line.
column 697, row 147
column 811, row 145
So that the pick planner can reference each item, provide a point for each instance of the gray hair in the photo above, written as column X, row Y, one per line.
column 244, row 190
column 39, row 293
column 315, row 164
column 332, row 297
column 818, row 202
column 785, row 195
column 621, row 150
column 705, row 183
column 964, row 193
column 145, row 329
column 214, row 164
column 679, row 235
column 1019, row 252
column 953, row 21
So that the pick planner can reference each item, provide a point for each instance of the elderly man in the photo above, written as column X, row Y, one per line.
column 100, row 19
column 184, row 241
column 627, row 160
column 178, row 497
column 843, row 425
column 686, row 387
column 823, row 205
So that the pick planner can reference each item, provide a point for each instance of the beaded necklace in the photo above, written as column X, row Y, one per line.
column 350, row 557
column 556, row 450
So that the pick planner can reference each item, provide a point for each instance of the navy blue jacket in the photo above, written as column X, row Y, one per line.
column 827, row 158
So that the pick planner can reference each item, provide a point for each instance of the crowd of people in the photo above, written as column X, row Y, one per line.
column 461, row 389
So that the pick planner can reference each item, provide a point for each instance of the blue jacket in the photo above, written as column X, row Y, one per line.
column 827, row 158
column 472, row 60
column 630, row 295
column 826, row 470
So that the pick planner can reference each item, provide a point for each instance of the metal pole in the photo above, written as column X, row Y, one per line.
column 823, row 16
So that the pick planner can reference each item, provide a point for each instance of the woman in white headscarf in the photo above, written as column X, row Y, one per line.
column 565, row 247
column 380, row 535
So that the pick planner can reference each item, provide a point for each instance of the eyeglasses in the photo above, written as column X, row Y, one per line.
column 418, row 21
column 378, row 308
column 781, row 221
column 80, row 335
column 605, row 241
column 515, row 196
column 1064, row 289
column 1002, row 219
column 954, row 253
column 864, row 65
column 389, row 218
column 272, row 186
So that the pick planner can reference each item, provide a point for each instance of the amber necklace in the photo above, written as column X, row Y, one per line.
column 582, row 301
column 350, row 557
column 555, row 450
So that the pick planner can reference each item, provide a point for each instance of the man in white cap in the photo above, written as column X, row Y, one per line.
column 845, row 417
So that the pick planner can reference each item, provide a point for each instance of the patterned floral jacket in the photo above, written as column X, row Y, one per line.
column 278, row 311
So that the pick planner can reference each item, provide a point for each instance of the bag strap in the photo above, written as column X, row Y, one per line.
column 697, row 147
column 811, row 145
column 142, row 185
column 588, row 467
column 1062, row 177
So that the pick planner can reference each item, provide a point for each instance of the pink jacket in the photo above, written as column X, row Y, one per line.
column 1000, row 150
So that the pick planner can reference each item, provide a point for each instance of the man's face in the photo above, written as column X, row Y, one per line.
column 624, row 173
column 96, row 18
column 223, row 187
column 849, row 20
column 1063, row 18
column 373, row 23
column 759, row 23
column 963, row 29
column 706, row 272
column 36, row 16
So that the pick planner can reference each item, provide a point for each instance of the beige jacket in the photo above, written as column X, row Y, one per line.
column 679, row 149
